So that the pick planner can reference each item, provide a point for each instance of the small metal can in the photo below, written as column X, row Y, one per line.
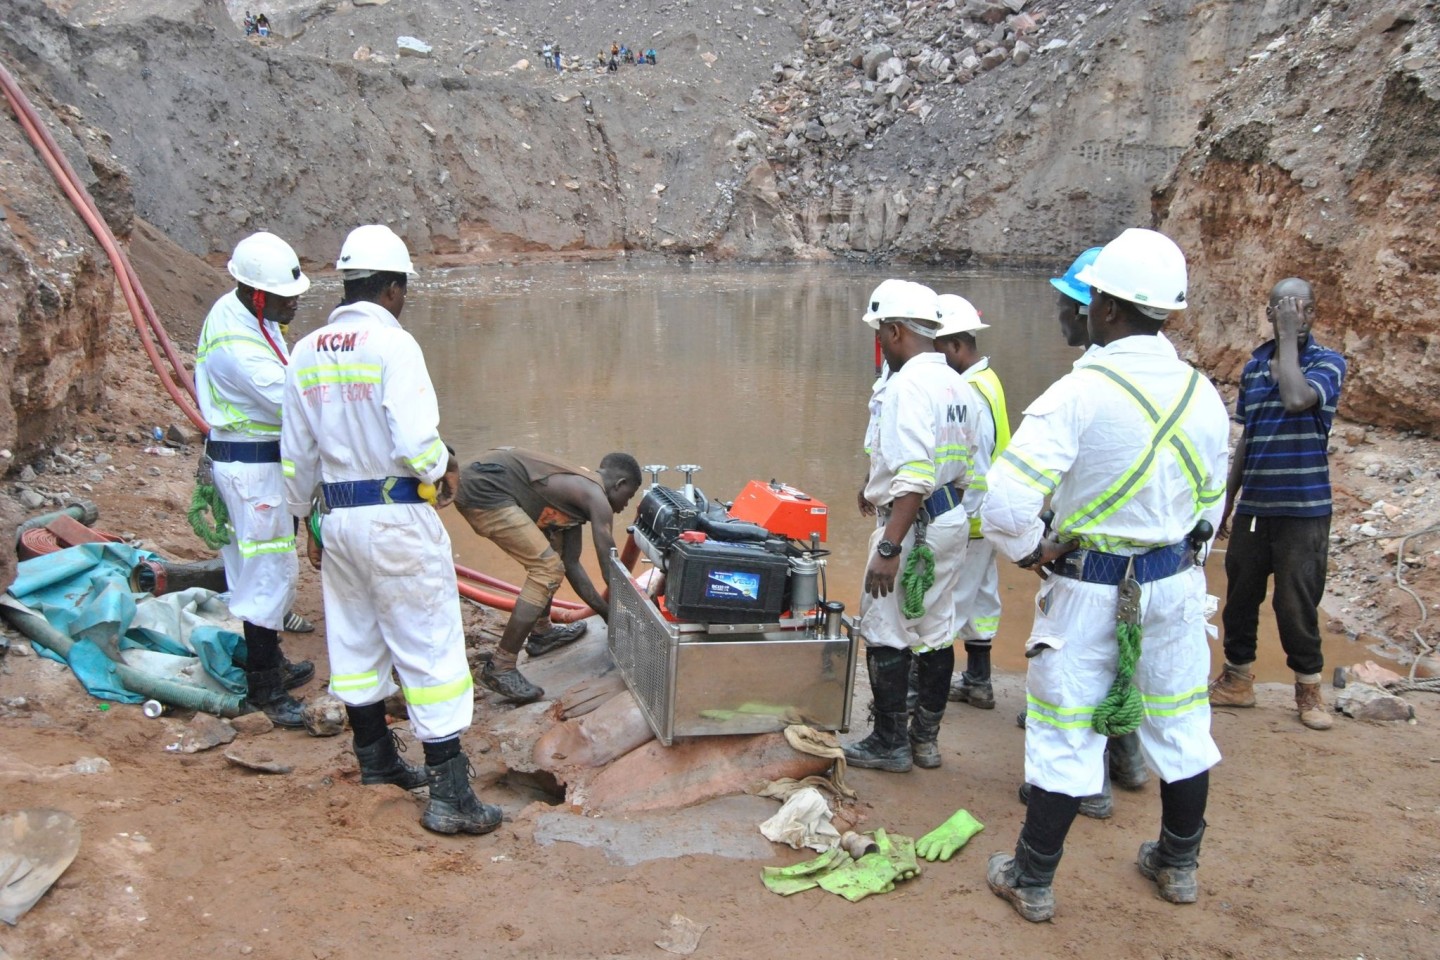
column 153, row 708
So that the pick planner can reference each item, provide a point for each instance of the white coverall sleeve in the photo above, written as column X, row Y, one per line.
column 255, row 373
column 1217, row 462
column 907, row 439
column 1031, row 467
column 299, row 450
column 413, row 412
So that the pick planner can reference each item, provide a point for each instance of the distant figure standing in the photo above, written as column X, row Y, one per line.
column 1279, row 489
column 249, row 23
column 650, row 56
column 614, row 64
column 262, row 25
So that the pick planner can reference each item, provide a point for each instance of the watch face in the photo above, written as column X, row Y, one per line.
column 887, row 549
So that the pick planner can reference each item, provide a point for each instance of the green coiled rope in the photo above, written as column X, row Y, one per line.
column 1122, row 709
column 918, row 578
column 207, row 498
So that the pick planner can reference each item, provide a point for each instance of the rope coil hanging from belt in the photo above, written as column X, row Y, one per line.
column 1122, row 709
column 207, row 498
column 917, row 579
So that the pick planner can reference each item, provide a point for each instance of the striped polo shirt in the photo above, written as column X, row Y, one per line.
column 1287, row 472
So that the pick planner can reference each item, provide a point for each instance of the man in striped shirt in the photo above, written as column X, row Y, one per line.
column 1279, row 490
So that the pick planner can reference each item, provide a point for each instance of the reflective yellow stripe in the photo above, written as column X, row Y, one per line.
column 440, row 693
column 1176, row 704
column 431, row 456
column 988, row 383
column 953, row 453
column 208, row 345
column 287, row 467
column 354, row 681
column 986, row 624
column 255, row 548
column 1043, row 480
column 339, row 373
column 1064, row 718
column 1132, row 481
column 917, row 468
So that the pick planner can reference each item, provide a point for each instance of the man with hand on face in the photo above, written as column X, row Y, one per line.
column 240, row 366
column 1279, row 490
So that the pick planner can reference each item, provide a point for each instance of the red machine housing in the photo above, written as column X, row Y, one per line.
column 782, row 509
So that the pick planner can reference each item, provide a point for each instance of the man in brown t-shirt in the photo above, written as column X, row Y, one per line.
column 532, row 506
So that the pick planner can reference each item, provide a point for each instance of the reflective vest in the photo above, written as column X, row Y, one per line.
column 987, row 382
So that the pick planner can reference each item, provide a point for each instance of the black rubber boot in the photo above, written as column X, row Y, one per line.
column 553, row 639
column 1126, row 762
column 296, row 673
column 1097, row 806
column 924, row 736
column 888, row 746
column 453, row 806
column 1025, row 880
column 510, row 684
column 932, row 672
column 1171, row 862
column 267, row 694
column 380, row 762
column 973, row 686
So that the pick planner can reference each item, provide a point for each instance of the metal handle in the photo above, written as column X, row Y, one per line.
column 654, row 469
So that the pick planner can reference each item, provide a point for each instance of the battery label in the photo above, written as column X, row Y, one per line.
column 732, row 585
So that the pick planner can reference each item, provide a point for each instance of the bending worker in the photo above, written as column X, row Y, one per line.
column 532, row 506
column 977, row 598
column 362, row 441
column 920, row 436
column 1131, row 449
column 240, row 384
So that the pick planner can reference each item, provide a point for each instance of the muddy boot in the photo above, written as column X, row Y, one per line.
column 453, row 806
column 978, row 693
column 1171, row 862
column 924, row 734
column 1024, row 880
column 1311, row 706
column 888, row 746
column 1235, row 687
column 297, row 673
column 510, row 684
column 267, row 694
column 1097, row 806
column 1020, row 719
column 380, row 762
column 553, row 639
column 1126, row 762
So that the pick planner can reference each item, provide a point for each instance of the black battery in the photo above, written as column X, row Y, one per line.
column 715, row 582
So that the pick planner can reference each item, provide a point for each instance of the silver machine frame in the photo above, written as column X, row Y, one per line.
column 696, row 679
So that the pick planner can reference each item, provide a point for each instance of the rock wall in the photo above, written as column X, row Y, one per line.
column 56, row 295
column 1320, row 160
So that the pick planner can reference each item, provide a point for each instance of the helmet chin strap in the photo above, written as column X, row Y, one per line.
column 257, row 302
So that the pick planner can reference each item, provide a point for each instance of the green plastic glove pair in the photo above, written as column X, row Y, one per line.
column 893, row 862
column 802, row 876
column 942, row 842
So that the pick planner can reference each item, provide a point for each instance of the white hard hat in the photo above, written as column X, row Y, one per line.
column 373, row 248
column 958, row 315
column 265, row 262
column 1143, row 267
column 903, row 300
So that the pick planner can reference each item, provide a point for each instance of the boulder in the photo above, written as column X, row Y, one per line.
column 1364, row 702
column 412, row 47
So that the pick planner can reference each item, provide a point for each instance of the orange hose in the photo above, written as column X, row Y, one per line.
column 150, row 328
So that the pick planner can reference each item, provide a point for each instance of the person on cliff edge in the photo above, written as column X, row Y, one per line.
column 240, row 365
column 1279, row 491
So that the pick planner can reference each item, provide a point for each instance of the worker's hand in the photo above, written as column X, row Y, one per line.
column 1292, row 317
column 867, row 509
column 313, row 552
column 1051, row 550
column 1223, row 533
column 880, row 575
column 449, row 484
column 942, row 842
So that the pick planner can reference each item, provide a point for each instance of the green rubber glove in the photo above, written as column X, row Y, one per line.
column 802, row 876
column 900, row 851
column 942, row 842
column 872, row 873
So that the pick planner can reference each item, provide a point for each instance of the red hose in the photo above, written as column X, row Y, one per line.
column 150, row 329
column 80, row 198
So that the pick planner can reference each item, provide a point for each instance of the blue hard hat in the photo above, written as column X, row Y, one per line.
column 1068, row 284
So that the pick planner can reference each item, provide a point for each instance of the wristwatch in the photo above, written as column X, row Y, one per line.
column 1033, row 558
column 887, row 549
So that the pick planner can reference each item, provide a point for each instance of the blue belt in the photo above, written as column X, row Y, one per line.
column 943, row 500
column 368, row 493
column 227, row 451
column 1092, row 566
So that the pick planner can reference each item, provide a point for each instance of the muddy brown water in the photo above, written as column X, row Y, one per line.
column 752, row 372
